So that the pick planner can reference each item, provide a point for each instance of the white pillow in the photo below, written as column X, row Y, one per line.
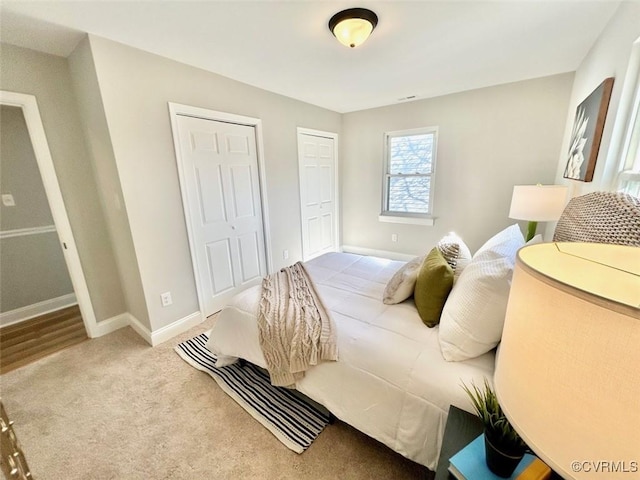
column 401, row 285
column 473, row 317
column 464, row 254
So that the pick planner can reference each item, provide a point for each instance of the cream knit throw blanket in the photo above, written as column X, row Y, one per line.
column 296, row 331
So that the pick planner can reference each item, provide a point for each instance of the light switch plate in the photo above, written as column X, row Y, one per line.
column 7, row 200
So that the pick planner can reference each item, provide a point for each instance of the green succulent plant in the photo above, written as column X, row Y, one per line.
column 497, row 428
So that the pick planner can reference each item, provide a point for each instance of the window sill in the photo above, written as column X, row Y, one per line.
column 426, row 221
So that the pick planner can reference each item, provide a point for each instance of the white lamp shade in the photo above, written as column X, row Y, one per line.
column 538, row 203
column 353, row 26
column 353, row 32
column 568, row 370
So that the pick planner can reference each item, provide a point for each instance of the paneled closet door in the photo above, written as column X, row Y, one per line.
column 223, row 194
column 316, row 163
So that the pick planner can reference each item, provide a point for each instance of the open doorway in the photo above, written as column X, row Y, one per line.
column 41, row 310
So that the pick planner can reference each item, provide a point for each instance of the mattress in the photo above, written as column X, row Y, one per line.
column 391, row 381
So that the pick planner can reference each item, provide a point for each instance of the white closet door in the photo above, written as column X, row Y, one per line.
column 223, row 191
column 316, row 157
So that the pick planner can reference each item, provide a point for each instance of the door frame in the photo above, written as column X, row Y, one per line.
column 336, row 190
column 29, row 106
column 176, row 109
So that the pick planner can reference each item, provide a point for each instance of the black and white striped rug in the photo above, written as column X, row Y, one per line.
column 294, row 421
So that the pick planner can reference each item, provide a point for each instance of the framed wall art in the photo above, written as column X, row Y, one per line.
column 587, row 133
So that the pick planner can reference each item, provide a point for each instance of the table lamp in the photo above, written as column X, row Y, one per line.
column 567, row 367
column 537, row 203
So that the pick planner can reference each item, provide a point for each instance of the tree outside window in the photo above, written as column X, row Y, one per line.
column 410, row 169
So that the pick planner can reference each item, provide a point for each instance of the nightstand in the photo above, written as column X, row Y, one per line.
column 462, row 427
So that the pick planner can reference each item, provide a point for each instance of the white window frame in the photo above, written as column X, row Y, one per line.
column 404, row 217
column 628, row 177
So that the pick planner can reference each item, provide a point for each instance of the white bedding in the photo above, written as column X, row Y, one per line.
column 391, row 381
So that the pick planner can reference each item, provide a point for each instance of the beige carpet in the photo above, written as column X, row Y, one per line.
column 115, row 408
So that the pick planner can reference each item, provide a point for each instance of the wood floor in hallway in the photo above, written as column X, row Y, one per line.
column 38, row 337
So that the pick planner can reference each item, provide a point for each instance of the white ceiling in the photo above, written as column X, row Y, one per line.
column 421, row 48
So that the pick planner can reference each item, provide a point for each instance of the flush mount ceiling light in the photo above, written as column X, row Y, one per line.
column 353, row 26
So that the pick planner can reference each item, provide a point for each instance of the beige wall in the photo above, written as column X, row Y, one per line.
column 47, row 77
column 135, row 87
column 33, row 267
column 96, row 132
column 33, row 270
column 609, row 57
column 20, row 175
column 489, row 140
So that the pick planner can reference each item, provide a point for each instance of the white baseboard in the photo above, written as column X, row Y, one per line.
column 161, row 335
column 25, row 313
column 182, row 325
column 405, row 257
column 107, row 326
column 152, row 338
column 112, row 324
column 140, row 329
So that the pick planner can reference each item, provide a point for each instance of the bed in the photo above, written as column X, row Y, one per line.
column 391, row 381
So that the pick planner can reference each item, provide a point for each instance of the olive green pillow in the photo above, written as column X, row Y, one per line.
column 434, row 283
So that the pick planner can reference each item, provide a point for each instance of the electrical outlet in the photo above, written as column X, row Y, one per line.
column 394, row 237
column 285, row 254
column 166, row 299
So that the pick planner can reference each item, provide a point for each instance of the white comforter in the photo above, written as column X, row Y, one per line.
column 391, row 381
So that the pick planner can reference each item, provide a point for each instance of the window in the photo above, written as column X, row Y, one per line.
column 410, row 160
column 629, row 176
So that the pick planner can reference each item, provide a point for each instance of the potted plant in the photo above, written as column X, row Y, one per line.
column 503, row 446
